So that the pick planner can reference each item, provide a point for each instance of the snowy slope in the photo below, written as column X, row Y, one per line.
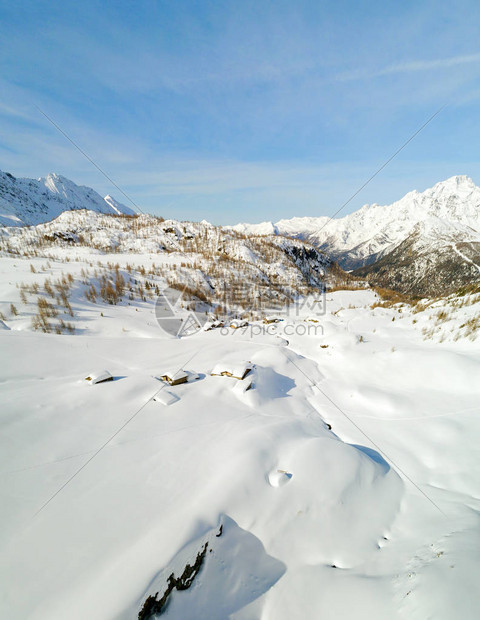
column 343, row 483
column 32, row 201
column 315, row 521
column 374, row 230
column 215, row 268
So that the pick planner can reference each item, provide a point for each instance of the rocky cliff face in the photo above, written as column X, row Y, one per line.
column 426, row 265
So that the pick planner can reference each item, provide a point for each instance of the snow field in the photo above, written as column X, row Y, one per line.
column 317, row 522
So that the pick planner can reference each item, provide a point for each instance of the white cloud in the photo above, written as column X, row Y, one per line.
column 409, row 67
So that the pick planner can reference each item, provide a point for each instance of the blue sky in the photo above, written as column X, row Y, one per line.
column 241, row 111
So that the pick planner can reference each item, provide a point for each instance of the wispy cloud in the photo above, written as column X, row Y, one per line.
column 410, row 67
column 238, row 110
column 10, row 111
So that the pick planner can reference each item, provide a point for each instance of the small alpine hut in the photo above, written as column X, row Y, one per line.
column 238, row 370
column 238, row 323
column 99, row 377
column 175, row 378
column 212, row 325
column 271, row 319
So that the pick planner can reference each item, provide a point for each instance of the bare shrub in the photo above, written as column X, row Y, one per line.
column 45, row 308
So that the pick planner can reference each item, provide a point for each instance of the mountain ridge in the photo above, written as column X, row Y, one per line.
column 425, row 244
column 27, row 202
column 364, row 236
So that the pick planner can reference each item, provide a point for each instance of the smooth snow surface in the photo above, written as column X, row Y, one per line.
column 318, row 523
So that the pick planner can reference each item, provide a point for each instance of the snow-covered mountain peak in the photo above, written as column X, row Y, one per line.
column 59, row 184
column 374, row 230
column 457, row 197
column 457, row 182
column 33, row 201
column 52, row 178
column 262, row 229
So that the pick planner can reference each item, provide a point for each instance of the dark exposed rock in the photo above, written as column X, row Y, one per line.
column 425, row 271
column 156, row 606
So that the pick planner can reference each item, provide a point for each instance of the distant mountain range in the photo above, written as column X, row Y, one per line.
column 27, row 202
column 424, row 244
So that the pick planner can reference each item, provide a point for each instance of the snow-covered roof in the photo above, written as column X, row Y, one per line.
column 165, row 397
column 175, row 375
column 236, row 323
column 99, row 377
column 236, row 369
column 212, row 325
column 241, row 387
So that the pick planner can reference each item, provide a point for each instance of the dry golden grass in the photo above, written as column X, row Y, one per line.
column 391, row 298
